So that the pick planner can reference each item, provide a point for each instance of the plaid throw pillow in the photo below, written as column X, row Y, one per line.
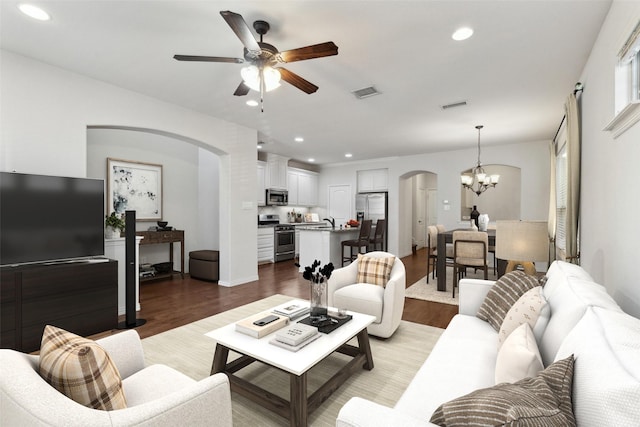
column 375, row 271
column 544, row 400
column 503, row 295
column 80, row 369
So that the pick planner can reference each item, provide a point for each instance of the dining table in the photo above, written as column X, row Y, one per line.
column 441, row 264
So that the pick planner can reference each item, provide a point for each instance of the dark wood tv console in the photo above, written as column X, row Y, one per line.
column 81, row 297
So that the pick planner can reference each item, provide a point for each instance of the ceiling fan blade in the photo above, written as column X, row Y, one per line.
column 297, row 81
column 309, row 52
column 242, row 30
column 207, row 59
column 242, row 89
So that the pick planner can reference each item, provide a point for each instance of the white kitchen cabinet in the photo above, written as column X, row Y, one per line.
column 308, row 189
column 293, row 187
column 303, row 187
column 265, row 244
column 262, row 170
column 276, row 172
column 373, row 180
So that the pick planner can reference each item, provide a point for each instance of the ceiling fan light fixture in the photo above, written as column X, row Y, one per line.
column 251, row 77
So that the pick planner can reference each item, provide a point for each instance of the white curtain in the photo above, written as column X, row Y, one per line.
column 573, row 179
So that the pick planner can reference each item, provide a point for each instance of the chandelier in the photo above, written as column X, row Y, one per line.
column 479, row 181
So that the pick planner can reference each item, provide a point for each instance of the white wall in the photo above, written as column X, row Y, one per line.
column 531, row 157
column 43, row 129
column 610, row 174
column 190, row 178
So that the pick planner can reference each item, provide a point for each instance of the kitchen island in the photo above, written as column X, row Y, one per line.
column 323, row 244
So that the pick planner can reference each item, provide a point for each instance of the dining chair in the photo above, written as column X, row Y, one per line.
column 432, row 247
column 470, row 249
column 361, row 242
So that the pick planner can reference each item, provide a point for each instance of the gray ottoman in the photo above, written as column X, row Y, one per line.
column 204, row 265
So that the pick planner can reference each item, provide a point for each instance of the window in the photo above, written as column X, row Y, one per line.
column 561, row 195
column 627, row 85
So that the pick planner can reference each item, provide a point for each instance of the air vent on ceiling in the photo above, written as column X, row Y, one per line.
column 366, row 92
column 455, row 104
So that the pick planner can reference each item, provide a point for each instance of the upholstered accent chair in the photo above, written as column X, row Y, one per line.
column 385, row 300
column 470, row 249
column 156, row 395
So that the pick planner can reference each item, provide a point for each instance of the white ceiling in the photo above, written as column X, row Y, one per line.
column 515, row 72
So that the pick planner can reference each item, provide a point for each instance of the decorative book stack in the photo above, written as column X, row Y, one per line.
column 293, row 309
column 295, row 336
column 248, row 327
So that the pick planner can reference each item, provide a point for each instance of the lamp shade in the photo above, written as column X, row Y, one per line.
column 522, row 240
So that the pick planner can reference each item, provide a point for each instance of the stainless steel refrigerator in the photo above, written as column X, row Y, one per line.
column 373, row 206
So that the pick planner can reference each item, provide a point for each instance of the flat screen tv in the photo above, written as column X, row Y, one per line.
column 50, row 218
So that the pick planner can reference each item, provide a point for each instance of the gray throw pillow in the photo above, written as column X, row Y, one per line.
column 503, row 294
column 541, row 401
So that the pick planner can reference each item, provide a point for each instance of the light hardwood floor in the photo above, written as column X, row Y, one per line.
column 167, row 304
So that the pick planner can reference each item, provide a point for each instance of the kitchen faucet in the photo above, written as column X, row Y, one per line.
column 332, row 221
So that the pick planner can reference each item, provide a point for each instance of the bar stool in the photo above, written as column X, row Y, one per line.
column 360, row 242
column 378, row 236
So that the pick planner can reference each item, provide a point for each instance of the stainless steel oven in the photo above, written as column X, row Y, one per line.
column 285, row 242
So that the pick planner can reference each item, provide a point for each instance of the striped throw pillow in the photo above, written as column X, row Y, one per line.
column 375, row 271
column 544, row 400
column 502, row 295
column 80, row 369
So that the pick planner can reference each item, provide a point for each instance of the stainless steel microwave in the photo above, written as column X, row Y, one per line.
column 277, row 197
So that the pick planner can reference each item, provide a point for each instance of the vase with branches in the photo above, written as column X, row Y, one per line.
column 318, row 280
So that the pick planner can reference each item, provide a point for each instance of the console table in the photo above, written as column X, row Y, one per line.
column 170, row 237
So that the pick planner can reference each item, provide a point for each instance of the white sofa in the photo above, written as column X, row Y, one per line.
column 156, row 395
column 585, row 321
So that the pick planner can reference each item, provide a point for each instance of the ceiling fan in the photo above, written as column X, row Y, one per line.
column 262, row 75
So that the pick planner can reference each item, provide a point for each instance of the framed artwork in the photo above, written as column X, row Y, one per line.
column 134, row 186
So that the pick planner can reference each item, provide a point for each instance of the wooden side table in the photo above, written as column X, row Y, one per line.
column 170, row 237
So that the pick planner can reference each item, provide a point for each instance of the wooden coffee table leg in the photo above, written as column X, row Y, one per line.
column 219, row 359
column 299, row 409
column 365, row 348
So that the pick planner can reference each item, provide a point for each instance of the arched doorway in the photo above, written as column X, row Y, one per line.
column 191, row 180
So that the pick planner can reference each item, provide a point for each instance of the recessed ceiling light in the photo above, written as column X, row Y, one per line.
column 462, row 33
column 34, row 12
column 298, row 139
column 311, row 160
column 252, row 103
column 348, row 155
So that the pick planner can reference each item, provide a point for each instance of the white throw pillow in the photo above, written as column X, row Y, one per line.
column 531, row 308
column 518, row 357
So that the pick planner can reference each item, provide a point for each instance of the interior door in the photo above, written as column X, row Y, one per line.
column 340, row 203
column 420, row 219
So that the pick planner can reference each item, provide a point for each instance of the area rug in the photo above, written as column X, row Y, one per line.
column 396, row 360
column 429, row 292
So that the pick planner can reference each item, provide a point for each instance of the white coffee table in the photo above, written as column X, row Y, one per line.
column 297, row 364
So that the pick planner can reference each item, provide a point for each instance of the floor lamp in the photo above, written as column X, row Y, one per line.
column 522, row 243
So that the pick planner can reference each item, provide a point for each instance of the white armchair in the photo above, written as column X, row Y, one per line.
column 156, row 395
column 385, row 303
